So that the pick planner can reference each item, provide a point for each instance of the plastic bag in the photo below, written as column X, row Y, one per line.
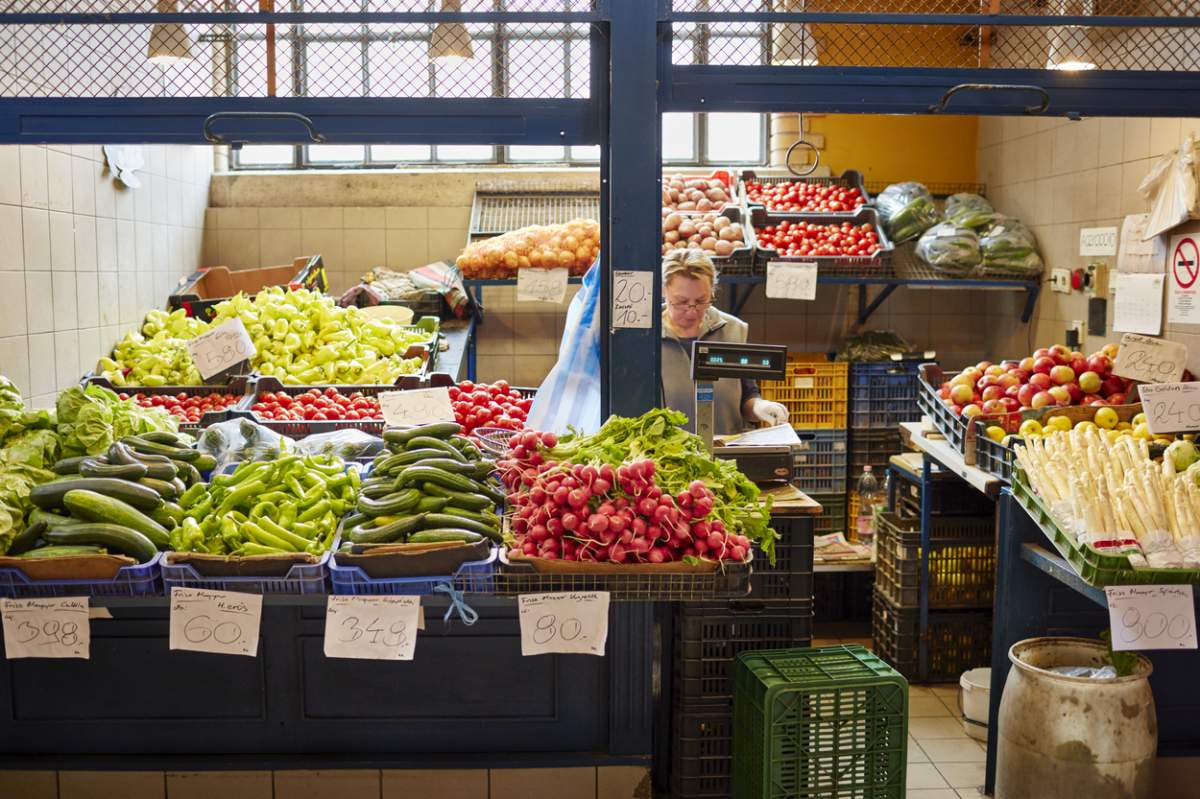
column 1170, row 187
column 969, row 210
column 950, row 249
column 238, row 440
column 349, row 445
column 570, row 394
column 1010, row 247
column 1088, row 672
column 907, row 210
column 574, row 245
column 872, row 345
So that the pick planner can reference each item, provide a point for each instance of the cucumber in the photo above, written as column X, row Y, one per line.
column 397, row 502
column 388, row 532
column 99, row 508
column 429, row 442
column 94, row 468
column 483, row 469
column 442, row 430
column 481, row 516
column 69, row 465
column 355, row 519
column 51, row 519
column 165, row 437
column 462, row 499
column 445, row 534
column 186, row 472
column 431, row 504
column 164, row 489
column 50, row 495
column 169, row 515
column 377, row 489
column 447, row 465
column 447, row 521
column 27, row 539
column 65, row 551
column 139, row 444
column 423, row 474
column 205, row 463
column 109, row 536
column 392, row 464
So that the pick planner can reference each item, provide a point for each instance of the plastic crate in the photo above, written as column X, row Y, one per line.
column 741, row 260
column 962, row 574
column 832, row 518
column 993, row 457
column 297, row 429
column 474, row 576
column 949, row 496
column 850, row 179
column 140, row 579
column 957, row 640
column 815, row 391
column 302, row 578
column 702, row 752
column 883, row 395
column 820, row 461
column 791, row 577
column 709, row 635
column 829, row 722
column 842, row 596
column 878, row 265
column 874, row 448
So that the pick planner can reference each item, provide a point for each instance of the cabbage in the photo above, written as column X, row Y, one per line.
column 1182, row 454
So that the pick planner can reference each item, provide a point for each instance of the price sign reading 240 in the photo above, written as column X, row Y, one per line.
column 1171, row 407
column 566, row 623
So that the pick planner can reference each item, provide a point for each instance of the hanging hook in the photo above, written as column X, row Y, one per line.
column 991, row 87
column 236, row 144
column 787, row 159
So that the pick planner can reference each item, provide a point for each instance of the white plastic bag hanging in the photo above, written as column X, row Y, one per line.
column 570, row 394
column 1170, row 187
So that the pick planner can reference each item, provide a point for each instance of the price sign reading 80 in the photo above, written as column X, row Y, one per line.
column 371, row 627
column 46, row 628
column 1151, row 617
column 565, row 623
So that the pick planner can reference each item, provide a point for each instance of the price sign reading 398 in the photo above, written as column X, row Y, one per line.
column 46, row 628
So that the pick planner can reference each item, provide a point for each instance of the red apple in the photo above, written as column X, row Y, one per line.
column 1097, row 402
column 1023, row 373
column 1116, row 399
column 987, row 380
column 1112, row 385
column 1009, row 381
column 992, row 393
column 1025, row 395
column 1042, row 352
column 1042, row 366
column 1062, row 375
column 1010, row 404
column 1090, row 382
column 995, row 370
column 1040, row 380
column 1061, row 395
column 1099, row 363
column 1060, row 353
column 1026, row 364
column 1042, row 399
column 1078, row 365
column 961, row 394
column 1013, row 391
column 1110, row 350
column 1075, row 392
column 983, row 365
column 971, row 411
column 956, row 409
column 993, row 406
column 1092, row 399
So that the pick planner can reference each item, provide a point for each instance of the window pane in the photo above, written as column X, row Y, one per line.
column 536, row 68
column 465, row 152
column 265, row 155
column 734, row 138
column 333, row 69
column 250, row 65
column 581, row 68
column 466, row 77
column 519, row 152
column 401, row 152
column 399, row 69
column 335, row 153
column 585, row 152
column 678, row 137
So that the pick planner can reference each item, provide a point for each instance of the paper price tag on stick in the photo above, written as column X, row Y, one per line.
column 632, row 299
column 221, row 348
column 541, row 285
column 792, row 281
column 372, row 627
column 566, row 623
column 222, row 622
column 1151, row 617
column 1171, row 407
column 1150, row 360
column 46, row 628
column 420, row 406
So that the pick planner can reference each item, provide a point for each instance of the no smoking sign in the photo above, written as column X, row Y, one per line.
column 1184, row 304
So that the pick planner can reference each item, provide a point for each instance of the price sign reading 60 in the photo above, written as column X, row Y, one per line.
column 223, row 622
column 566, row 623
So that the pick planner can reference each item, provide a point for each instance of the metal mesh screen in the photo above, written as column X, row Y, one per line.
column 313, row 6
column 494, row 214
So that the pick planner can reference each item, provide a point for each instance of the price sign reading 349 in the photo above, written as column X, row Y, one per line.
column 567, row 623
column 372, row 627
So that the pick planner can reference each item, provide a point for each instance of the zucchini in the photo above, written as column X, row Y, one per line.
column 483, row 469
column 99, row 508
column 65, row 551
column 50, row 495
column 431, row 504
column 139, row 444
column 397, row 502
column 169, row 515
column 425, row 474
column 447, row 465
column 429, row 442
column 69, row 465
column 165, row 437
column 388, row 532
column 51, row 519
column 109, row 536
column 447, row 521
column 159, row 469
column 445, row 534
column 461, row 499
column 355, row 519
column 205, row 463
column 27, row 539
column 164, row 489
column 92, row 467
column 186, row 472
column 441, row 430
column 392, row 464
column 481, row 516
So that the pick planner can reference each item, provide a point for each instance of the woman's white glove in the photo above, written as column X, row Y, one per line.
column 769, row 412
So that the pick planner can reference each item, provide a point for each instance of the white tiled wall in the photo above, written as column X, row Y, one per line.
column 82, row 258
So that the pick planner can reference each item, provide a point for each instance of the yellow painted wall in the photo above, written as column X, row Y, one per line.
column 893, row 148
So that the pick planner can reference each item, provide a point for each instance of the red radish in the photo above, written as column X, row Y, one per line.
column 570, row 521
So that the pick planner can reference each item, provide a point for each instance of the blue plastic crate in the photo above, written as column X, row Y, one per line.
column 884, row 394
column 476, row 576
column 821, row 460
column 137, row 580
column 302, row 578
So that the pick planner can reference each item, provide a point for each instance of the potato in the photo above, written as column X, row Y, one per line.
column 704, row 204
column 708, row 244
column 727, row 234
column 694, row 241
column 721, row 222
column 723, row 248
column 686, row 227
column 705, row 230
column 717, row 195
column 672, row 221
column 671, row 236
column 687, row 205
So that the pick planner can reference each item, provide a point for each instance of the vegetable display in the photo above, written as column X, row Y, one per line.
column 1008, row 246
column 288, row 505
column 431, row 486
column 805, row 197
column 695, row 194
column 316, row 405
column 679, row 465
column 28, row 447
column 950, row 249
column 813, row 239
column 574, row 246
column 184, row 407
column 483, row 405
column 907, row 210
column 90, row 419
column 713, row 232
column 969, row 210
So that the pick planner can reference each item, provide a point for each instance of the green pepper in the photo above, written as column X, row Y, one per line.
column 241, row 493
column 315, row 511
column 263, row 509
column 287, row 514
column 201, row 509
column 193, row 495
column 269, row 527
column 261, row 536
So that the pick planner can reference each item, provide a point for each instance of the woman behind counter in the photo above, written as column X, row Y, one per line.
column 689, row 278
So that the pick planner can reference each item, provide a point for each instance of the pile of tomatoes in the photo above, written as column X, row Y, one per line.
column 316, row 405
column 805, row 239
column 813, row 198
column 483, row 405
column 184, row 407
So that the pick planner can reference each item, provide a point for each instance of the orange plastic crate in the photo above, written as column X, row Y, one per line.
column 816, row 392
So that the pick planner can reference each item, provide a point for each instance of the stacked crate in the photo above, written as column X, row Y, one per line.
column 882, row 396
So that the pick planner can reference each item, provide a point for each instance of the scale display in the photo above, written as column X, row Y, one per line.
column 716, row 360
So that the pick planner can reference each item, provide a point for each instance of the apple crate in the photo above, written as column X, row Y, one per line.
column 815, row 391
column 957, row 430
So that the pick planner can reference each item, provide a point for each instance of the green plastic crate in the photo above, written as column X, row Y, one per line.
column 829, row 723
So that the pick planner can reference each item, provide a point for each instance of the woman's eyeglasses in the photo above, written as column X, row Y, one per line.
column 690, row 306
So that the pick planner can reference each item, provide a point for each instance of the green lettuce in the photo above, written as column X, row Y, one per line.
column 90, row 419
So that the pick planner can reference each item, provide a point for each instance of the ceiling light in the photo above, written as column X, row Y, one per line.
column 450, row 39
column 169, row 41
column 1071, row 50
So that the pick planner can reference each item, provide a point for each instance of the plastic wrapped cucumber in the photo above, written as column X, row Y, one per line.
column 969, row 210
column 1010, row 247
column 950, row 249
column 907, row 210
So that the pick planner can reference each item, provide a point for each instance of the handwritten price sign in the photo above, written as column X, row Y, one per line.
column 222, row 622
column 1171, row 407
column 792, row 281
column 46, row 628
column 541, row 285
column 420, row 406
column 633, row 299
column 568, row 623
column 372, row 627
column 221, row 348
column 1150, row 360
column 1151, row 617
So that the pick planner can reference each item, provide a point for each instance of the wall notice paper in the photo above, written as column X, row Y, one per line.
column 541, row 285
column 221, row 622
column 1137, row 304
column 372, row 627
column 1151, row 617
column 632, row 299
column 1136, row 255
column 221, row 348
column 792, row 281
column 46, row 628
column 1183, row 269
column 1171, row 407
column 1150, row 360
column 573, row 623
column 419, row 406
column 1097, row 241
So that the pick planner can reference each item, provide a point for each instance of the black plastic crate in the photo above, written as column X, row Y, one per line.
column 820, row 461
column 791, row 577
column 702, row 752
column 832, row 518
column 962, row 561
column 240, row 386
column 956, row 640
column 992, row 456
column 873, row 448
column 949, row 496
column 842, row 597
column 953, row 427
column 850, row 179
column 883, row 394
column 709, row 635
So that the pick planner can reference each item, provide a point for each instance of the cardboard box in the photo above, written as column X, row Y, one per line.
column 200, row 291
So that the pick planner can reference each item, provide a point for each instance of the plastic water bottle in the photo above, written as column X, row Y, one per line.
column 868, row 498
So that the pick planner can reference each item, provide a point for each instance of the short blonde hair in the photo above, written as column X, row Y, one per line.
column 691, row 262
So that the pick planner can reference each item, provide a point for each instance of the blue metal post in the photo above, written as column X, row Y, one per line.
column 926, row 524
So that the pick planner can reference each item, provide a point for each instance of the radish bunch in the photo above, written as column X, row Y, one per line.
column 592, row 513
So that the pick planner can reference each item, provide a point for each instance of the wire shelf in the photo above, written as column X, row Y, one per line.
column 731, row 581
column 493, row 214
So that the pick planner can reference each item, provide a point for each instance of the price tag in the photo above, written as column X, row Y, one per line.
column 1150, row 360
column 221, row 348
column 574, row 623
column 1171, row 407
column 1151, row 617
column 46, row 628
column 948, row 230
column 541, row 285
column 1097, row 241
column 222, row 622
column 420, row 406
column 633, row 299
column 372, row 627
column 792, row 281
